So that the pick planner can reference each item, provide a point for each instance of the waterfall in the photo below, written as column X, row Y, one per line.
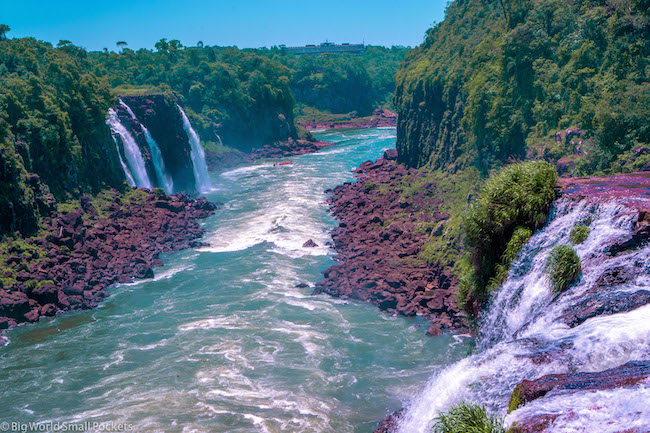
column 199, row 166
column 127, row 172
column 137, row 169
column 528, row 331
column 158, row 163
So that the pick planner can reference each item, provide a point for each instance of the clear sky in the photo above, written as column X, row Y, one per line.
column 95, row 24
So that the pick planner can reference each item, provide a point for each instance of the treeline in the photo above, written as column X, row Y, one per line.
column 241, row 91
column 52, row 123
column 497, row 79
column 54, row 100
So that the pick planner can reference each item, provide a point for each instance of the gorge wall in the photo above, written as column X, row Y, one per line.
column 563, row 81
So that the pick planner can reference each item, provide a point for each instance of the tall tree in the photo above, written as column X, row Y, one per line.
column 121, row 45
column 4, row 29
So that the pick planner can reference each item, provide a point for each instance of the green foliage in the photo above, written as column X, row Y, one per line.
column 563, row 267
column 579, row 234
column 512, row 203
column 513, row 247
column 4, row 29
column 244, row 94
column 444, row 248
column 369, row 186
column 467, row 418
column 515, row 399
column 497, row 79
column 52, row 123
column 342, row 83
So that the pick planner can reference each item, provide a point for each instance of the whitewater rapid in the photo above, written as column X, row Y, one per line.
column 524, row 322
column 228, row 338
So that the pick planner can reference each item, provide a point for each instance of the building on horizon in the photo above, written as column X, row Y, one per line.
column 327, row 48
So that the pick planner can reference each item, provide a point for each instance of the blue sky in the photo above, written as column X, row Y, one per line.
column 245, row 23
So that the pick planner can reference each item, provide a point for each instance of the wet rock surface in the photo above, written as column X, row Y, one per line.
column 381, row 117
column 81, row 253
column 626, row 376
column 378, row 244
column 390, row 424
column 287, row 148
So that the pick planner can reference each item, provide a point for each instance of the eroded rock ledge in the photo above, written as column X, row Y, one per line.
column 80, row 253
column 378, row 244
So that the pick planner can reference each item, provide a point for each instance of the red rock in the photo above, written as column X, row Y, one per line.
column 48, row 310
column 13, row 304
column 626, row 375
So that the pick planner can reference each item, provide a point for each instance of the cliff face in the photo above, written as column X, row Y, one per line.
column 52, row 128
column 498, row 80
column 253, row 129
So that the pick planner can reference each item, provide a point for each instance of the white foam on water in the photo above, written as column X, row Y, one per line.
column 524, row 317
column 604, row 411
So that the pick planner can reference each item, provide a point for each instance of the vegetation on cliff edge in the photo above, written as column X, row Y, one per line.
column 498, row 79
column 512, row 203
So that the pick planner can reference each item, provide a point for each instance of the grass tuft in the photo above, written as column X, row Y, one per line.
column 579, row 234
column 468, row 418
column 563, row 267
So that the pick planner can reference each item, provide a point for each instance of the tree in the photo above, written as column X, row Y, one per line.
column 162, row 45
column 199, row 44
column 4, row 29
column 64, row 43
column 121, row 45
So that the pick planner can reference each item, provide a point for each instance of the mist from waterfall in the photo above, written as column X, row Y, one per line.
column 135, row 168
column 156, row 156
column 199, row 165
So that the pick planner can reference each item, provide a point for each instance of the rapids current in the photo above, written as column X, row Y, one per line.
column 222, row 339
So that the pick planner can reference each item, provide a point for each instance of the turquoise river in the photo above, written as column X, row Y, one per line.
column 222, row 340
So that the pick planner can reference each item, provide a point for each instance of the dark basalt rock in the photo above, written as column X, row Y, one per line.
column 287, row 148
column 389, row 425
column 381, row 117
column 160, row 115
column 84, row 253
column 310, row 244
column 627, row 375
column 378, row 262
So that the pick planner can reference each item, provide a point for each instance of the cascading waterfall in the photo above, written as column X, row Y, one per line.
column 199, row 165
column 127, row 172
column 136, row 166
column 158, row 163
column 527, row 332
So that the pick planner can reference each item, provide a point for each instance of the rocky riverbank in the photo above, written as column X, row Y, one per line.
column 378, row 244
column 232, row 157
column 381, row 118
column 540, row 402
column 81, row 252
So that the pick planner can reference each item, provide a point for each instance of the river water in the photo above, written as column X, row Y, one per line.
column 222, row 340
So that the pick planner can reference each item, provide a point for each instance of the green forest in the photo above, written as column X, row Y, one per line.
column 496, row 80
column 54, row 100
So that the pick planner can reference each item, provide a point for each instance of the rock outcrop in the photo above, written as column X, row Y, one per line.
column 83, row 252
column 381, row 118
column 160, row 115
column 625, row 376
column 378, row 243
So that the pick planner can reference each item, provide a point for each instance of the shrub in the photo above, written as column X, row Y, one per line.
column 467, row 418
column 512, row 204
column 579, row 234
column 563, row 267
column 514, row 246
